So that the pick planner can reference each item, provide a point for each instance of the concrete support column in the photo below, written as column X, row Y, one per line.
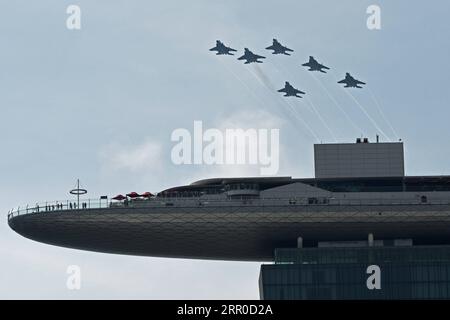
column 370, row 239
column 299, row 242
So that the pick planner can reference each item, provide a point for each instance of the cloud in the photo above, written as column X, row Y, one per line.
column 244, row 119
column 250, row 119
column 144, row 156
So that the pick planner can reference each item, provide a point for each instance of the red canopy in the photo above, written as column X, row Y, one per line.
column 133, row 195
column 147, row 194
column 119, row 197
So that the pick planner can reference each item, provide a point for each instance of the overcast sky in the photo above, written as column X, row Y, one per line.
column 100, row 104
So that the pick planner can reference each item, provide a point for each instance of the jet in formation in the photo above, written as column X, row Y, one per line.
column 290, row 91
column 351, row 82
column 250, row 57
column 314, row 65
column 278, row 48
column 222, row 49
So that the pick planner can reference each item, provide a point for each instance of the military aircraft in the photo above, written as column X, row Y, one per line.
column 250, row 57
column 222, row 49
column 314, row 65
column 290, row 91
column 351, row 82
column 278, row 48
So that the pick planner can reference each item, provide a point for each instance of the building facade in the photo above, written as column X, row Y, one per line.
column 356, row 273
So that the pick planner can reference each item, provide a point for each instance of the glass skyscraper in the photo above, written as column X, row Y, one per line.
column 350, row 273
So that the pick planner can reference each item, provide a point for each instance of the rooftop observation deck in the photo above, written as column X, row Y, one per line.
column 200, row 202
column 359, row 189
column 227, row 229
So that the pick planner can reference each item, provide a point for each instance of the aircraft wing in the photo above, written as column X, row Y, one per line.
column 242, row 57
column 214, row 49
column 299, row 91
column 282, row 90
column 230, row 49
column 359, row 82
column 271, row 48
column 259, row 57
column 343, row 81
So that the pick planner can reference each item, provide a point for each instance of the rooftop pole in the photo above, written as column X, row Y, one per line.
column 78, row 194
column 78, row 191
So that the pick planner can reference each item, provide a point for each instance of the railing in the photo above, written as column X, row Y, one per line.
column 88, row 204
column 64, row 205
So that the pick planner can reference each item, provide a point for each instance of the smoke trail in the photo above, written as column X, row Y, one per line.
column 265, row 81
column 278, row 69
column 374, row 123
column 368, row 116
column 321, row 118
column 337, row 104
column 382, row 114
column 260, row 100
column 243, row 83
column 264, row 78
column 298, row 116
column 334, row 101
column 310, row 106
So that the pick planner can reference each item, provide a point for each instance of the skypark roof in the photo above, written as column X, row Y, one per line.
column 215, row 181
column 353, row 184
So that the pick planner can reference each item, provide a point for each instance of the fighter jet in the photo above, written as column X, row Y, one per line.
column 222, row 49
column 290, row 91
column 250, row 57
column 314, row 65
column 351, row 82
column 278, row 48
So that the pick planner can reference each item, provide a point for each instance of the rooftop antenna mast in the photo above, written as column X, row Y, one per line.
column 78, row 191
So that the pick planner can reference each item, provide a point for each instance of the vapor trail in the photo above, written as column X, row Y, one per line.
column 368, row 116
column 257, row 98
column 332, row 99
column 382, row 114
column 374, row 123
column 310, row 105
column 337, row 104
column 265, row 81
column 264, row 78
column 298, row 116
column 243, row 83
column 321, row 118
